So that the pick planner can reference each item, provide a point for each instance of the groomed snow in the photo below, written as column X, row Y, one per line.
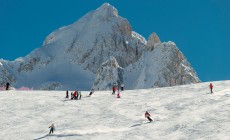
column 180, row 112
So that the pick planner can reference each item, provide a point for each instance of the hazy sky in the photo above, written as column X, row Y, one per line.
column 200, row 28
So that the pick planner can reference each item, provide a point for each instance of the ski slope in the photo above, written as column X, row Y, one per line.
column 179, row 113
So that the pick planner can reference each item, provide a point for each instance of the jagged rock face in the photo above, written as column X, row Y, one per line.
column 164, row 66
column 99, row 50
column 178, row 71
column 108, row 75
column 152, row 41
column 5, row 76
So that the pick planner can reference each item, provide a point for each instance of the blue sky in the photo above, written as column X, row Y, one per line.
column 200, row 28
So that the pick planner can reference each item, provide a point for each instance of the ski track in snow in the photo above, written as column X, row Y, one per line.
column 180, row 112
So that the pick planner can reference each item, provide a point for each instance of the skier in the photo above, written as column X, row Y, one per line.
column 67, row 94
column 114, row 89
column 122, row 87
column 7, row 86
column 72, row 96
column 79, row 93
column 75, row 95
column 147, row 115
column 211, row 87
column 91, row 92
column 118, row 94
column 51, row 128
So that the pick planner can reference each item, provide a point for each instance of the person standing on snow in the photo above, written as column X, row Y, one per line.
column 7, row 86
column 91, row 92
column 114, row 89
column 79, row 93
column 67, row 94
column 118, row 94
column 211, row 87
column 122, row 87
column 147, row 115
column 51, row 129
column 72, row 96
column 75, row 95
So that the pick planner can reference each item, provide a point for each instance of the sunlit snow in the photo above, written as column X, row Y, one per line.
column 180, row 112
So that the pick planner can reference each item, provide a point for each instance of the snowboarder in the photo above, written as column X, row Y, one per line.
column 147, row 115
column 118, row 94
column 91, row 92
column 67, row 94
column 122, row 87
column 51, row 129
column 7, row 86
column 114, row 89
column 211, row 87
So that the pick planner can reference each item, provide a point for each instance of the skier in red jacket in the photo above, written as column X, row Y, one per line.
column 75, row 95
column 114, row 89
column 211, row 87
column 147, row 115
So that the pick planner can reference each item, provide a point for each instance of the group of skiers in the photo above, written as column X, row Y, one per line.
column 115, row 88
column 76, row 95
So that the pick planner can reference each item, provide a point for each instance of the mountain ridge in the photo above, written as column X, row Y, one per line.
column 71, row 57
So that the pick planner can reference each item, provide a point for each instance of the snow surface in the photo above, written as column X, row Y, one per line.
column 180, row 112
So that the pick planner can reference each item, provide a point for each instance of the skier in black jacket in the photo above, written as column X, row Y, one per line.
column 7, row 86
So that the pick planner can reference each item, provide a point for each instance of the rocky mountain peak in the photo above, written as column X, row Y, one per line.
column 99, row 50
column 107, row 10
column 152, row 40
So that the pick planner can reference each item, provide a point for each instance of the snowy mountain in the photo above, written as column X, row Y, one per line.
column 73, row 56
column 185, row 112
column 163, row 66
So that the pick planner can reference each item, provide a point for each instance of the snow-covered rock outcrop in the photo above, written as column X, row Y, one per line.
column 79, row 56
column 5, row 76
column 108, row 75
column 163, row 66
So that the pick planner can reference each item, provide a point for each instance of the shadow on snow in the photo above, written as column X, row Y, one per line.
column 57, row 135
column 138, row 124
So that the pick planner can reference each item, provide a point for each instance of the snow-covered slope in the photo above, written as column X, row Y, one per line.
column 179, row 112
column 71, row 56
